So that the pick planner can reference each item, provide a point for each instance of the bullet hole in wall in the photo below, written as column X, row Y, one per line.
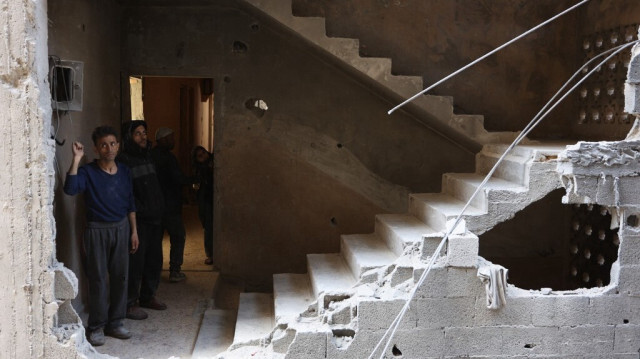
column 240, row 47
column 339, row 145
column 396, row 352
column 255, row 27
column 632, row 220
column 334, row 221
column 226, row 79
column 257, row 106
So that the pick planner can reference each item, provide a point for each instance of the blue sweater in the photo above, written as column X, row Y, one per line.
column 109, row 198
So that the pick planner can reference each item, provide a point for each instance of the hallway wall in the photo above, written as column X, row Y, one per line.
column 83, row 31
column 322, row 160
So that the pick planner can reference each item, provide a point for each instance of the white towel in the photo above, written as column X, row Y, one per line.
column 494, row 278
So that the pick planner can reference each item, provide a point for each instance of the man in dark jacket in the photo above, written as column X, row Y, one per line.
column 145, row 265
column 171, row 180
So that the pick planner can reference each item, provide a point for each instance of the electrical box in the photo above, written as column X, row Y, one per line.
column 65, row 79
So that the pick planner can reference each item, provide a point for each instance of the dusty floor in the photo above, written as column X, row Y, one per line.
column 172, row 333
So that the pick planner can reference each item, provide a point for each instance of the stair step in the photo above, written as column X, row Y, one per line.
column 538, row 151
column 292, row 295
column 512, row 168
column 399, row 231
column 312, row 28
column 329, row 273
column 376, row 68
column 436, row 209
column 463, row 185
column 280, row 10
column 215, row 334
column 364, row 252
column 255, row 318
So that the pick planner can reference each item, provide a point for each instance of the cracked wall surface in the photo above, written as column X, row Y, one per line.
column 38, row 320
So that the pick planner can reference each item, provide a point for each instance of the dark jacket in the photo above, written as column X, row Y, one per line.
column 170, row 177
column 146, row 187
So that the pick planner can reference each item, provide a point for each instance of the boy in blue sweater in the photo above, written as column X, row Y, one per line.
column 110, row 235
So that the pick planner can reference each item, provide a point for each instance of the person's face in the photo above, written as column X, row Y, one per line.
column 107, row 147
column 140, row 136
column 169, row 141
column 202, row 156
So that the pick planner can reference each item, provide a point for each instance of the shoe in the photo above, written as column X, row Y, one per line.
column 118, row 332
column 176, row 276
column 153, row 304
column 96, row 337
column 208, row 261
column 136, row 313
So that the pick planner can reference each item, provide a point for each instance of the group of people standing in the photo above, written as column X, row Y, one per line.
column 132, row 196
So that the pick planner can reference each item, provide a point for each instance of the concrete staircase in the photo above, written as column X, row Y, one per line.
column 361, row 289
column 378, row 70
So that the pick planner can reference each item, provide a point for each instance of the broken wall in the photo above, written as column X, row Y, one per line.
column 321, row 161
column 37, row 318
column 82, row 31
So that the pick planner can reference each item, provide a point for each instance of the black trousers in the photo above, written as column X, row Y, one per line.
column 173, row 224
column 106, row 246
column 145, row 265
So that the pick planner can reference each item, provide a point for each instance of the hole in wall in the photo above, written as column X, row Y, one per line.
column 529, row 346
column 255, row 27
column 257, row 106
column 395, row 351
column 239, row 47
column 226, row 79
column 632, row 220
column 334, row 221
column 339, row 145
column 625, row 321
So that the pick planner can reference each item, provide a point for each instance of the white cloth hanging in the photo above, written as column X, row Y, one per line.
column 494, row 278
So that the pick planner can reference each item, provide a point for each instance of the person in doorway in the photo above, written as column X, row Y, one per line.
column 110, row 234
column 203, row 164
column 171, row 180
column 145, row 266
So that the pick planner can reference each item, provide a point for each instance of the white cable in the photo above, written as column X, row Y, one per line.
column 532, row 124
column 487, row 55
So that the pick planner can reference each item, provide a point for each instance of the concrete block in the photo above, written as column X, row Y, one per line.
column 629, row 279
column 467, row 341
column 631, row 98
column 420, row 343
column 529, row 341
column 627, row 339
column 610, row 310
column 628, row 190
column 379, row 314
column 438, row 313
column 401, row 274
column 450, row 282
column 580, row 340
column 629, row 252
column 607, row 193
column 517, row 311
column 341, row 314
column 462, row 251
column 311, row 345
column 559, row 311
column 66, row 284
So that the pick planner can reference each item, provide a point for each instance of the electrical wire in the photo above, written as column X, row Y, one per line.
column 488, row 54
column 530, row 126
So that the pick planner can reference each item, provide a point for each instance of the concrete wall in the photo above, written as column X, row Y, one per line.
column 434, row 38
column 37, row 319
column 83, row 31
column 321, row 161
